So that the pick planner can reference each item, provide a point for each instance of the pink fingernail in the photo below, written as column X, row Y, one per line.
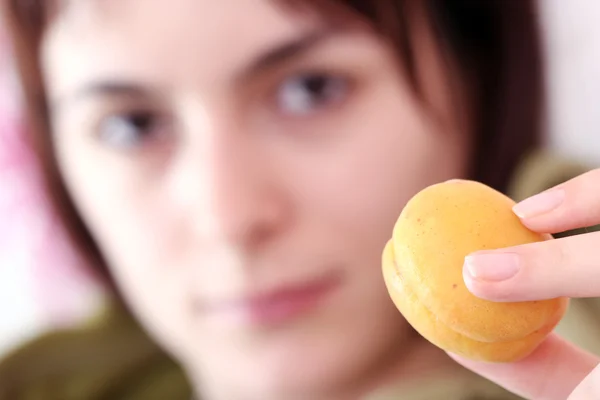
column 539, row 204
column 493, row 267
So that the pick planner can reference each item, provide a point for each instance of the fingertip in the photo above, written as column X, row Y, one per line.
column 455, row 357
column 540, row 204
column 472, row 364
column 484, row 290
column 458, row 358
column 541, row 224
column 487, row 286
column 470, row 281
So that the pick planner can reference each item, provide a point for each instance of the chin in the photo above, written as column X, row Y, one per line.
column 312, row 356
column 315, row 367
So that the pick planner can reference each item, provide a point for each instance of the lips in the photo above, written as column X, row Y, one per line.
column 274, row 306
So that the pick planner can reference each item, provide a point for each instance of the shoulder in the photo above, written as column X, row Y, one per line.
column 111, row 359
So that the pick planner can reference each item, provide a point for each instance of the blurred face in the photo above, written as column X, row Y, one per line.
column 241, row 166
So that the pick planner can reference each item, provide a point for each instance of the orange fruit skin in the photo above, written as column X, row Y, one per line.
column 422, row 267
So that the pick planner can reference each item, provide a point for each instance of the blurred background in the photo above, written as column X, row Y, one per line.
column 40, row 284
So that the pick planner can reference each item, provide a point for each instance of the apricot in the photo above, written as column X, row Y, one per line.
column 422, row 269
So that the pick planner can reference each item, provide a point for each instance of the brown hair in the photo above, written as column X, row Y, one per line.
column 494, row 42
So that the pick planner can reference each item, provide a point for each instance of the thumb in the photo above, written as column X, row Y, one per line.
column 551, row 372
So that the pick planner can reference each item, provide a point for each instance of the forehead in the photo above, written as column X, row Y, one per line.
column 175, row 37
column 206, row 13
column 159, row 21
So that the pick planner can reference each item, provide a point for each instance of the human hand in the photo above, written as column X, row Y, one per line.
column 567, row 267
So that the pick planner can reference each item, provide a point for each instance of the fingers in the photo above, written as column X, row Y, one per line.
column 568, row 267
column 573, row 204
column 551, row 372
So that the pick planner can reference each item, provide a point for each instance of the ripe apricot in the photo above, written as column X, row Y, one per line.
column 422, row 269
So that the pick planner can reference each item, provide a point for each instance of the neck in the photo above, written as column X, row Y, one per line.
column 402, row 369
column 422, row 361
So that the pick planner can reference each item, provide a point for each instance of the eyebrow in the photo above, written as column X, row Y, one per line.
column 107, row 88
column 285, row 52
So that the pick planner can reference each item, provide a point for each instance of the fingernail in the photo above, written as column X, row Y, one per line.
column 493, row 267
column 539, row 204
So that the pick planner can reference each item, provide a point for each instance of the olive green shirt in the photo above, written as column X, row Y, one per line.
column 113, row 359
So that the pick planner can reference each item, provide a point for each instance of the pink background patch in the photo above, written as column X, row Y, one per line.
column 35, row 258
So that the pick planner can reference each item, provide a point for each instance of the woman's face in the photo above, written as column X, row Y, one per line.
column 241, row 166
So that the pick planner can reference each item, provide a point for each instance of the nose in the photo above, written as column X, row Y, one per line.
column 247, row 204
column 234, row 191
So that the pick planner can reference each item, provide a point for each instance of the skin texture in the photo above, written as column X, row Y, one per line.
column 208, row 177
column 423, row 270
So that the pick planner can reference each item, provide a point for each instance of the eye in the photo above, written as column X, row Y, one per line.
column 307, row 93
column 131, row 130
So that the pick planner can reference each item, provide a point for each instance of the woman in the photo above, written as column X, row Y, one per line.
column 235, row 173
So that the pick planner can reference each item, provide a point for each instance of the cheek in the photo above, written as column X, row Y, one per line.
column 390, row 150
column 134, row 231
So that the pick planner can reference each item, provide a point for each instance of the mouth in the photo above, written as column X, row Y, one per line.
column 274, row 306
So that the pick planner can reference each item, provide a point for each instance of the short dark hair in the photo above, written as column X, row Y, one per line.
column 497, row 47
column 495, row 44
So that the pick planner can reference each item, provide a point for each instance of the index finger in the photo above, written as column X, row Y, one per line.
column 567, row 267
column 551, row 372
column 570, row 205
